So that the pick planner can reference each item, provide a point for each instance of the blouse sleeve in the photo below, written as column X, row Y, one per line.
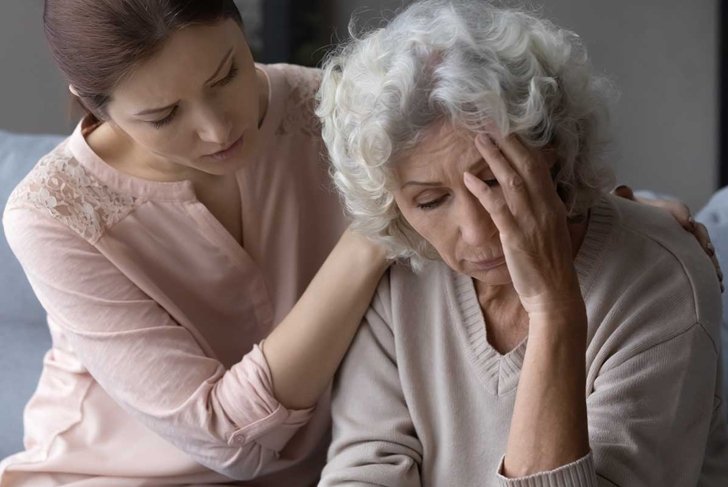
column 374, row 440
column 227, row 420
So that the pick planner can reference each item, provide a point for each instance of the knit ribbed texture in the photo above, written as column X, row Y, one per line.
column 576, row 474
column 423, row 399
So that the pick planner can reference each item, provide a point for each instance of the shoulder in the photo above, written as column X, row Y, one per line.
column 405, row 296
column 653, row 270
column 60, row 188
column 299, row 78
column 299, row 86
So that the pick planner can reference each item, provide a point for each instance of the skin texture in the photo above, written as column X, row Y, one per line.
column 493, row 200
column 206, row 75
column 434, row 199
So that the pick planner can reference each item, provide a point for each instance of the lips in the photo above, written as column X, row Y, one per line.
column 226, row 153
column 484, row 265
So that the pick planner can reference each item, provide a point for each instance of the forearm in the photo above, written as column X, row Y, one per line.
column 304, row 351
column 549, row 423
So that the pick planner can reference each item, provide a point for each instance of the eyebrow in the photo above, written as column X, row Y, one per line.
column 437, row 183
column 222, row 64
column 217, row 72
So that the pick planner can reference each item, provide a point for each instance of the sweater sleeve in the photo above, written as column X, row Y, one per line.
column 227, row 420
column 374, row 440
column 639, row 407
column 636, row 411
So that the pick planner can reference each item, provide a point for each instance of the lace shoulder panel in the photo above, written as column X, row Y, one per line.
column 62, row 187
column 299, row 114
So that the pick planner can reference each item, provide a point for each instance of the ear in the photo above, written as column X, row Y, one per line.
column 73, row 91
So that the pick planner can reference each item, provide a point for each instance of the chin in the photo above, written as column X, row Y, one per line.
column 492, row 277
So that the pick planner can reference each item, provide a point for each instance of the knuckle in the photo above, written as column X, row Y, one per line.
column 515, row 183
column 500, row 205
column 531, row 167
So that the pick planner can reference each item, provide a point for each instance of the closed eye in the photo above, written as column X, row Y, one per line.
column 166, row 120
column 229, row 77
column 429, row 205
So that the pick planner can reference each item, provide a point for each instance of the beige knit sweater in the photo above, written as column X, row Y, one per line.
column 423, row 399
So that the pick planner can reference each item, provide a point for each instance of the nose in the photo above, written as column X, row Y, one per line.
column 214, row 126
column 475, row 224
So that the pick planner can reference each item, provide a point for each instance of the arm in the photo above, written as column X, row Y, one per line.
column 638, row 407
column 374, row 441
column 641, row 406
column 228, row 420
column 304, row 351
column 548, row 426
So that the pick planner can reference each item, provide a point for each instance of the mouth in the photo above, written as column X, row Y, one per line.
column 485, row 265
column 229, row 152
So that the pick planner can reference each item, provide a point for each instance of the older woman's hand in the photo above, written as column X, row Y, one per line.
column 531, row 220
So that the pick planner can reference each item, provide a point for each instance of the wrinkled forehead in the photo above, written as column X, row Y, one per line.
column 182, row 64
column 441, row 148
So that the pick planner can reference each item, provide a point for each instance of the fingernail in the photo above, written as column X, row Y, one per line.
column 691, row 222
column 483, row 139
column 710, row 248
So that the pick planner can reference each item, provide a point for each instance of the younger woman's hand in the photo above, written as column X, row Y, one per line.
column 531, row 220
column 682, row 215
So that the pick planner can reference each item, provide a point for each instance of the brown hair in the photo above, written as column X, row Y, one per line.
column 97, row 42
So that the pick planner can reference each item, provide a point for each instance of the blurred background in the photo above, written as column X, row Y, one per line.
column 663, row 55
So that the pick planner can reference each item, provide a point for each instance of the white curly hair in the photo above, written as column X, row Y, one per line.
column 472, row 64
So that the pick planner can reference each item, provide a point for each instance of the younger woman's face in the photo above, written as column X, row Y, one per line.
column 195, row 103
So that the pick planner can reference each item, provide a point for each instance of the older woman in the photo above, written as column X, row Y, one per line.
column 544, row 333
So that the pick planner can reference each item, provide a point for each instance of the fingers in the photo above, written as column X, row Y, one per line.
column 494, row 203
column 527, row 162
column 624, row 191
column 677, row 209
column 701, row 234
column 514, row 187
column 530, row 165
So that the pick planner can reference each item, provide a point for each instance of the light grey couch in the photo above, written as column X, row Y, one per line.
column 24, row 337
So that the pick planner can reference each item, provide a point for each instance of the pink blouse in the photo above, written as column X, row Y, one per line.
column 155, row 376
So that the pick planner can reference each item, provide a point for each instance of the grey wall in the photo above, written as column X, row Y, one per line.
column 33, row 97
column 662, row 54
column 663, row 57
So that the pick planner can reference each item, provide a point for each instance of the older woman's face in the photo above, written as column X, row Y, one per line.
column 434, row 200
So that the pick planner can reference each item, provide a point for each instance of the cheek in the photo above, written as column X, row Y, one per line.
column 435, row 227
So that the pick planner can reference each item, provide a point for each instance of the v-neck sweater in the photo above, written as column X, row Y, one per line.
column 156, row 312
column 422, row 398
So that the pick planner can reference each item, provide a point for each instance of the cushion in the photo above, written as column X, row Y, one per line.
column 24, row 336
column 715, row 217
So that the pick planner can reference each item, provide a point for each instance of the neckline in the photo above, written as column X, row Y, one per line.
column 182, row 190
column 499, row 373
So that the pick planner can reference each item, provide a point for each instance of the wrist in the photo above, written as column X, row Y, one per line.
column 567, row 316
column 364, row 252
